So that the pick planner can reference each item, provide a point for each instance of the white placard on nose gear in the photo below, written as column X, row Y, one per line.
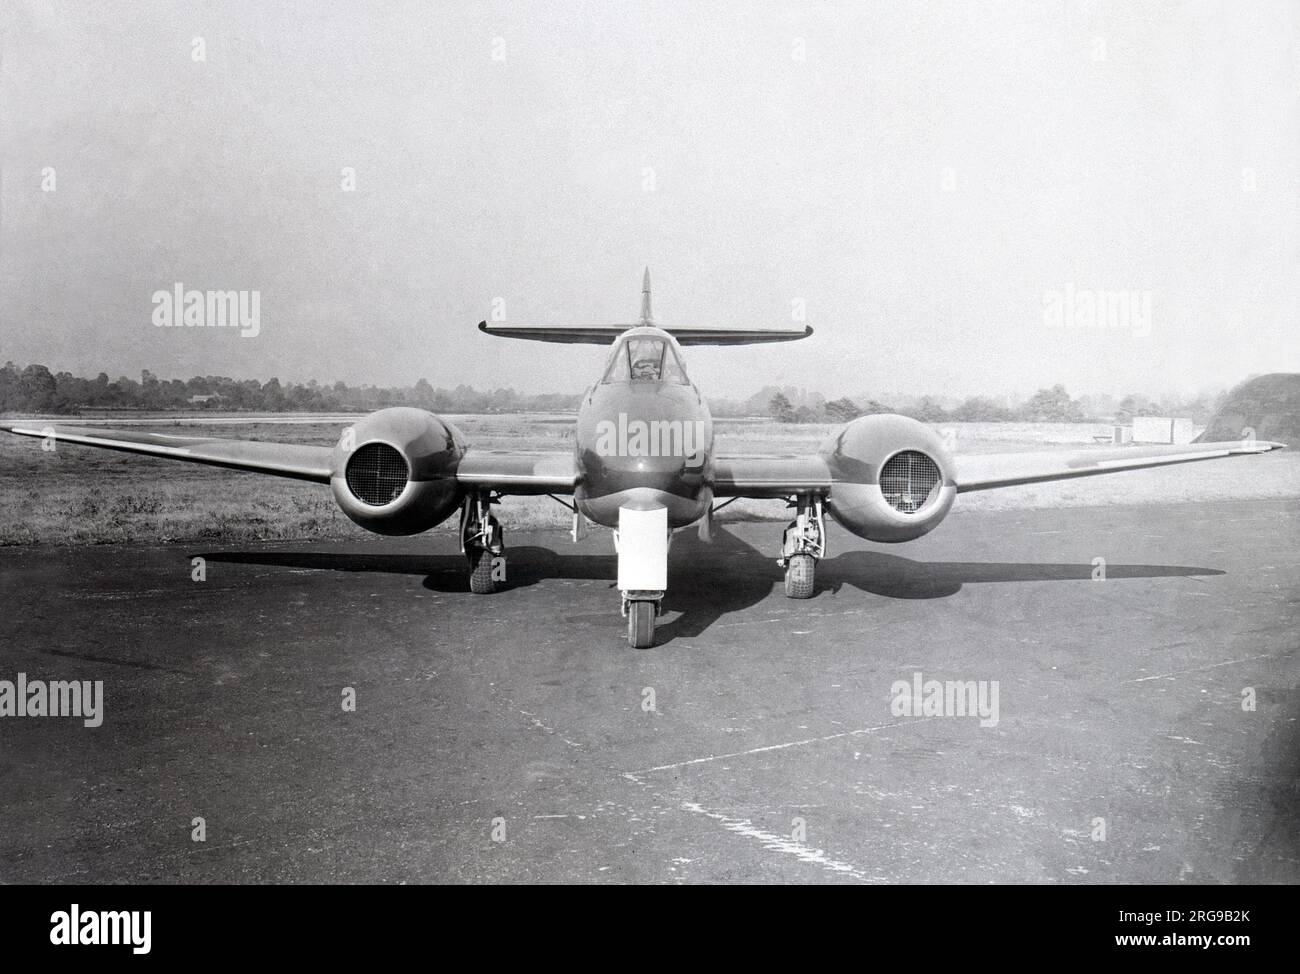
column 643, row 549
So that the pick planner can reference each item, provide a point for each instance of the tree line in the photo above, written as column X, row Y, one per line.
column 1049, row 405
column 35, row 389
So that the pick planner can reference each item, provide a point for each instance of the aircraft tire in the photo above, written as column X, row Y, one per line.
column 481, row 581
column 640, row 624
column 800, row 573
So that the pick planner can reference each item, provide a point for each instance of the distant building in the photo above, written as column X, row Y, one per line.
column 1162, row 429
column 211, row 399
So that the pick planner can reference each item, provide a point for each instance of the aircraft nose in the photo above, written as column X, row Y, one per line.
column 660, row 451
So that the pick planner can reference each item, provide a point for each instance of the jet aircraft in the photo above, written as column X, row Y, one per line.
column 644, row 464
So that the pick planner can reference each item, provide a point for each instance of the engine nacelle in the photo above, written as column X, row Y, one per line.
column 394, row 472
column 891, row 477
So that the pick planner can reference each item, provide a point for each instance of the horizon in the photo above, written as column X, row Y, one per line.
column 803, row 394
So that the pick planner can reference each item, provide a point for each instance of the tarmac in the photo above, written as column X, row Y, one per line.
column 1145, row 731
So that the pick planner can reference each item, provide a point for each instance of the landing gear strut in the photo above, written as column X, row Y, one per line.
column 803, row 543
column 642, row 539
column 483, row 542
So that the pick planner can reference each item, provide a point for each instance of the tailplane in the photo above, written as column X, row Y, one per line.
column 607, row 334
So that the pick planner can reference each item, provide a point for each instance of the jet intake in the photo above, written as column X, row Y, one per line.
column 394, row 472
column 377, row 474
column 891, row 478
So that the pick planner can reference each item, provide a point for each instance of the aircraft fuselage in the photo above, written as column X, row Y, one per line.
column 644, row 443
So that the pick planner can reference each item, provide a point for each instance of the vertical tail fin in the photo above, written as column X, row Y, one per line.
column 646, row 317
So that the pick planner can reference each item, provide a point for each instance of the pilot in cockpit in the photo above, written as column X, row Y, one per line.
column 644, row 359
column 646, row 369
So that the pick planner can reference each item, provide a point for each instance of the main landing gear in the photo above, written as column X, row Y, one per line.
column 483, row 542
column 803, row 543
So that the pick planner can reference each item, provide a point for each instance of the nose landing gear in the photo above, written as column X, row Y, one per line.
column 641, row 609
column 642, row 541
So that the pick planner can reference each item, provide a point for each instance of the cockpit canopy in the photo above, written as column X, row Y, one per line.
column 645, row 358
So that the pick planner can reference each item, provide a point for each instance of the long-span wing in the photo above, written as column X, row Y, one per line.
column 506, row 473
column 518, row 473
column 606, row 334
column 294, row 460
column 781, row 476
column 987, row 471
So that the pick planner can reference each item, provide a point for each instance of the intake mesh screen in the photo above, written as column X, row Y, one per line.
column 908, row 480
column 376, row 474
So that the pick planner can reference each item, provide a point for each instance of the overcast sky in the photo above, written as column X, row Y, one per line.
column 925, row 179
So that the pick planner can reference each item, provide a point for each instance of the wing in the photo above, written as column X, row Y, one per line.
column 775, row 476
column 987, row 471
column 518, row 473
column 507, row 473
column 293, row 460
column 781, row 476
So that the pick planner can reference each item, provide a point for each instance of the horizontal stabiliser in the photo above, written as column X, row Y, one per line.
column 606, row 334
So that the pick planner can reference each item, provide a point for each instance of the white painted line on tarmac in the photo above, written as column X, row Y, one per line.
column 784, row 844
column 1198, row 669
column 636, row 775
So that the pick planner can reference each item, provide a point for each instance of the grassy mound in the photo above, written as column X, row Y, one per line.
column 1268, row 404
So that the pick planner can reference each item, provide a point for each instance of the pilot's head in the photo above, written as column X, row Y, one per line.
column 646, row 368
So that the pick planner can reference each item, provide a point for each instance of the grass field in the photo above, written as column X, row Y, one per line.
column 78, row 495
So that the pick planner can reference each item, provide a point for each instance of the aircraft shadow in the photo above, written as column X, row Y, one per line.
column 707, row 581
column 443, row 573
column 1268, row 846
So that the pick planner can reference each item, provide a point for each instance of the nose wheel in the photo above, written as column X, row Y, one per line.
column 641, row 625
column 641, row 609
